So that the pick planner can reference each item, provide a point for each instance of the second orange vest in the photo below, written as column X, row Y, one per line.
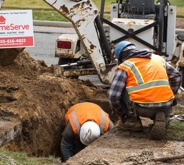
column 147, row 80
column 82, row 112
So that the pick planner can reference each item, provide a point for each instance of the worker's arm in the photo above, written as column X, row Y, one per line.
column 111, row 125
column 174, row 78
column 67, row 142
column 115, row 91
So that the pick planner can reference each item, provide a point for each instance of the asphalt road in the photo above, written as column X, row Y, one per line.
column 44, row 43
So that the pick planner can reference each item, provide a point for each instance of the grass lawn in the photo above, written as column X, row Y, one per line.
column 19, row 158
column 53, row 15
column 42, row 4
column 176, row 131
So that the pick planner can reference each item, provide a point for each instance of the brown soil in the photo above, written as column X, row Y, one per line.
column 180, row 23
column 31, row 94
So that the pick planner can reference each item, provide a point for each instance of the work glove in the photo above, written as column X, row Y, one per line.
column 174, row 102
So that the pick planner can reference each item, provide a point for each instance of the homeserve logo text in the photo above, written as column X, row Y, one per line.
column 2, row 20
column 12, row 26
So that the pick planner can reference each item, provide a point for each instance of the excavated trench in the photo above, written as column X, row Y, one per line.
column 15, row 133
column 33, row 102
column 27, row 128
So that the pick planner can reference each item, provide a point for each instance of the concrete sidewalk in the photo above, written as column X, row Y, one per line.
column 53, row 24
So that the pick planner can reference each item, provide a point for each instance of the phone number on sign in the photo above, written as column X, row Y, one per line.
column 11, row 41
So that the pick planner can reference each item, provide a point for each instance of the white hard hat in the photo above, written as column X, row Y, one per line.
column 89, row 132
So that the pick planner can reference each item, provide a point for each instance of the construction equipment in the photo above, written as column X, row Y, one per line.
column 7, row 56
column 145, row 23
column 1, row 3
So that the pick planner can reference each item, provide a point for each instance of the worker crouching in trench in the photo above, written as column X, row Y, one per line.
column 85, row 122
column 144, row 85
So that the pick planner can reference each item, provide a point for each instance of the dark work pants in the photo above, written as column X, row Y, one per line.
column 151, row 112
column 127, row 105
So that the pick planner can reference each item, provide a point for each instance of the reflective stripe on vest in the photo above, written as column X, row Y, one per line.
column 135, row 71
column 102, row 124
column 77, row 125
column 148, row 85
column 152, row 84
column 74, row 117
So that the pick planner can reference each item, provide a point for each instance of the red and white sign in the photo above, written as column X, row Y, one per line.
column 16, row 29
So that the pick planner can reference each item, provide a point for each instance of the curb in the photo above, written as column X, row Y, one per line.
column 69, row 24
column 53, row 24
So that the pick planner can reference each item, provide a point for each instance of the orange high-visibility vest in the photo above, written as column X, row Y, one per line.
column 82, row 112
column 147, row 80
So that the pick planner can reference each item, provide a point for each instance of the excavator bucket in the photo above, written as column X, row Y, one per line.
column 7, row 56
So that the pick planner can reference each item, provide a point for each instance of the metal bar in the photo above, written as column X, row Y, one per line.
column 78, row 63
column 141, row 30
column 130, row 35
column 161, row 25
column 104, row 43
column 182, row 71
column 102, row 10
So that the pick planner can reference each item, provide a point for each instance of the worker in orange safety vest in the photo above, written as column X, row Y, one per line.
column 144, row 85
column 85, row 122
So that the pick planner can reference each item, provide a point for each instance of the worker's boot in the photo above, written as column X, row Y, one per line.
column 132, row 123
column 158, row 130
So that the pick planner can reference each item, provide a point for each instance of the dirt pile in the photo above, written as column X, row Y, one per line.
column 31, row 94
column 7, row 56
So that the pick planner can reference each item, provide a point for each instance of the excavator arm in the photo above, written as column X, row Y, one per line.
column 83, row 14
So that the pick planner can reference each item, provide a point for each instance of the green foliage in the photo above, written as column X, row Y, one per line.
column 42, row 4
column 48, row 15
column 176, row 131
column 52, row 15
column 18, row 158
column 178, row 3
column 26, row 4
